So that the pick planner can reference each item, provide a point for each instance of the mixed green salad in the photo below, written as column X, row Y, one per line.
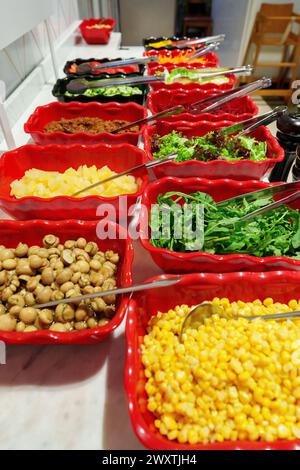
column 215, row 145
column 274, row 233
column 184, row 75
column 123, row 90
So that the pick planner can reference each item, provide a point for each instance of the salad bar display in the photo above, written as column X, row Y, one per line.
column 226, row 241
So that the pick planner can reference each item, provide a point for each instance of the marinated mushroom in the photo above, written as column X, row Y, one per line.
column 7, row 322
column 33, row 275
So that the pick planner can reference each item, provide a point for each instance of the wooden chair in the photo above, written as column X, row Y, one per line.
column 274, row 26
column 198, row 17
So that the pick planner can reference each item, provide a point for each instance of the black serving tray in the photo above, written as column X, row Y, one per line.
column 149, row 40
column 60, row 88
column 98, row 75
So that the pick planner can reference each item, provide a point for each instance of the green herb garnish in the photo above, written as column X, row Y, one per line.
column 275, row 233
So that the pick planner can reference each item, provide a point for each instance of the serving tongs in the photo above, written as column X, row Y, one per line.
column 214, row 46
column 244, row 127
column 194, row 42
column 249, row 125
column 86, row 68
column 79, row 85
column 226, row 96
column 142, row 166
column 202, row 106
column 122, row 290
column 278, row 190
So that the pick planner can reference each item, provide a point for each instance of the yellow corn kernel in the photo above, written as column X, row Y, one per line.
column 293, row 304
column 268, row 302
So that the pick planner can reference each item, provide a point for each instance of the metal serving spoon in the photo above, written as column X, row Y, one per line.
column 197, row 316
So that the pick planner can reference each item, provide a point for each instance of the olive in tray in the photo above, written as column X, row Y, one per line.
column 32, row 275
column 121, row 93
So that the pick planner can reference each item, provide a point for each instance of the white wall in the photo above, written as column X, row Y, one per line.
column 19, row 58
column 229, row 17
column 142, row 18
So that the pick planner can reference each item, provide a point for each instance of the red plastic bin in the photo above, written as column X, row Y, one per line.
column 162, row 99
column 209, row 60
column 198, row 261
column 108, row 111
column 191, row 290
column 13, row 165
column 153, row 67
column 240, row 170
column 32, row 233
column 94, row 35
column 233, row 80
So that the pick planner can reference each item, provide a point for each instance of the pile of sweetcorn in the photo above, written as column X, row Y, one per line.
column 232, row 379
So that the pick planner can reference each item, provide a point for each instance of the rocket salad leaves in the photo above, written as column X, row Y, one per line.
column 275, row 233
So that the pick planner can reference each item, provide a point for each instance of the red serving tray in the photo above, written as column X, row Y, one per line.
column 108, row 111
column 96, row 36
column 240, row 170
column 160, row 100
column 154, row 67
column 13, row 165
column 32, row 233
column 174, row 262
column 233, row 80
column 209, row 60
column 191, row 290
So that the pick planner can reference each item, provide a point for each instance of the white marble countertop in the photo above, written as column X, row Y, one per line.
column 70, row 397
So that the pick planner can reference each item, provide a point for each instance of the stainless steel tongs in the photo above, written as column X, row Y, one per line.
column 259, row 120
column 206, row 40
column 79, row 85
column 246, row 127
column 214, row 46
column 85, row 67
column 277, row 190
column 226, row 96
column 197, row 107
column 142, row 166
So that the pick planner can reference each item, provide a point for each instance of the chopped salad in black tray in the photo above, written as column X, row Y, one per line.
column 120, row 93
